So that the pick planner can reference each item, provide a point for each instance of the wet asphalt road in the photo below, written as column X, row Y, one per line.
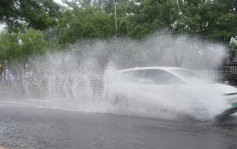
column 35, row 128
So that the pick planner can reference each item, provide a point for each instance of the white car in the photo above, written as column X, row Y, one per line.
column 173, row 89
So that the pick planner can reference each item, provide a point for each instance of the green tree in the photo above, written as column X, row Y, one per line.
column 232, row 49
column 38, row 14
column 150, row 15
column 212, row 20
column 83, row 23
column 31, row 43
column 20, row 46
column 9, row 46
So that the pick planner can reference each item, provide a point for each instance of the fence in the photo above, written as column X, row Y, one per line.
column 220, row 74
column 229, row 73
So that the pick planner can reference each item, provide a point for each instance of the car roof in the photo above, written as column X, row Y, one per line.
column 147, row 68
column 168, row 69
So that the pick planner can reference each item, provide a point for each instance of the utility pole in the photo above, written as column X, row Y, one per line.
column 115, row 18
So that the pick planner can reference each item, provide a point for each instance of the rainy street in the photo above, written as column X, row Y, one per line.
column 67, row 100
column 118, row 74
column 38, row 128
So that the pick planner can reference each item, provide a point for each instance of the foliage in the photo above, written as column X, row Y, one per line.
column 82, row 23
column 212, row 20
column 20, row 46
column 232, row 48
column 86, row 19
column 150, row 15
column 38, row 14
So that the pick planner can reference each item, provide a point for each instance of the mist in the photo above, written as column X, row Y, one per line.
column 78, row 77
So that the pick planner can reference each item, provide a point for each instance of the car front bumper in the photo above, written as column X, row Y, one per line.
column 231, row 99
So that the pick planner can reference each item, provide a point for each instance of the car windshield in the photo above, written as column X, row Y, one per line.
column 151, row 76
column 190, row 76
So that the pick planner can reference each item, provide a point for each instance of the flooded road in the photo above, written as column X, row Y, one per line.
column 38, row 128
column 62, row 101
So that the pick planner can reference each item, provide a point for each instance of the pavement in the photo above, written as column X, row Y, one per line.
column 25, row 127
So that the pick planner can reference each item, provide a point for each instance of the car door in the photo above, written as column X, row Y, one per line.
column 150, row 86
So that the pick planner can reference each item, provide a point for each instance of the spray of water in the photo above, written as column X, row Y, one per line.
column 141, row 96
column 80, row 77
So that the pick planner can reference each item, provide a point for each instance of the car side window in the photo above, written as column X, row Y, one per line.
column 152, row 76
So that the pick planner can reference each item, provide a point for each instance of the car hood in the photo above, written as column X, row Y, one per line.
column 226, row 89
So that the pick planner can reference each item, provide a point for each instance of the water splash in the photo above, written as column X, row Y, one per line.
column 200, row 101
column 78, row 78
